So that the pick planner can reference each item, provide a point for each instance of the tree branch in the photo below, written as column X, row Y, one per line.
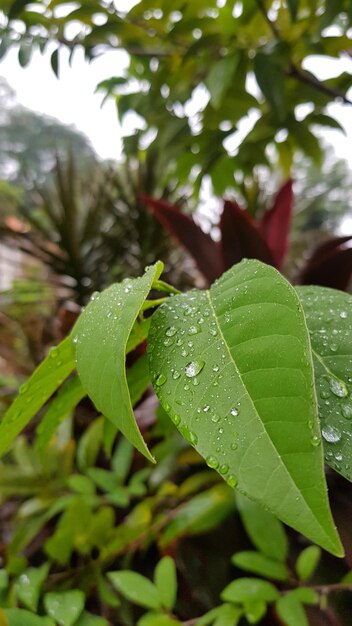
column 302, row 77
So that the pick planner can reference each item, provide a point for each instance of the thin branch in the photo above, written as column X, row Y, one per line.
column 271, row 24
column 302, row 77
column 330, row 588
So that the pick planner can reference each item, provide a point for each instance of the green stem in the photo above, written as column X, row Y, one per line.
column 161, row 285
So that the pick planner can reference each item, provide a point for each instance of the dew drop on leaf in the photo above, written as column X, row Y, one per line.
column 347, row 411
column 171, row 331
column 194, row 368
column 331, row 434
column 223, row 469
column 338, row 388
column 315, row 440
column 232, row 480
column 212, row 462
column 161, row 380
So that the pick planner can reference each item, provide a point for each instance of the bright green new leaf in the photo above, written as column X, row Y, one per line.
column 64, row 607
column 264, row 529
column 36, row 391
column 20, row 617
column 165, row 579
column 157, row 619
column 100, row 337
column 307, row 562
column 228, row 615
column 66, row 400
column 329, row 320
column 261, row 564
column 29, row 584
column 136, row 588
column 254, row 611
column 250, row 589
column 291, row 611
column 305, row 595
column 232, row 367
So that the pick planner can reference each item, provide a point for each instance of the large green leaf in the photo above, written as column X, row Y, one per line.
column 232, row 366
column 100, row 337
column 36, row 391
column 329, row 319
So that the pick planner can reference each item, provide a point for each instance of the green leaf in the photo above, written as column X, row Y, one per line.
column 20, row 617
column 228, row 615
column 64, row 607
column 305, row 595
column 291, row 611
column 36, row 391
column 165, row 579
column 270, row 78
column 157, row 619
column 307, row 562
column 263, row 528
column 331, row 10
column 88, row 619
column 203, row 512
column 61, row 406
column 24, row 54
column 122, row 460
column 100, row 336
column 250, row 589
column 254, row 611
column 54, row 61
column 136, row 588
column 261, row 564
column 237, row 380
column 329, row 320
column 89, row 444
column 220, row 78
column 29, row 584
column 293, row 8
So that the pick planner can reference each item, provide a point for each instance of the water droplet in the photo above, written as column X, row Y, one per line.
column 215, row 418
column 176, row 375
column 223, row 469
column 234, row 446
column 343, row 315
column 220, row 431
column 169, row 341
column 331, row 434
column 24, row 388
column 212, row 462
column 338, row 456
column 232, row 480
column 315, row 441
column 189, row 435
column 333, row 347
column 53, row 353
column 215, row 368
column 338, row 388
column 161, row 380
column 324, row 393
column 184, row 352
column 171, row 331
column 75, row 339
column 347, row 411
column 310, row 424
column 213, row 332
column 194, row 368
column 176, row 419
column 194, row 330
column 206, row 408
column 234, row 412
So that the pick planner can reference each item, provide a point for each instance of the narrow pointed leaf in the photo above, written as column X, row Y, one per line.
column 329, row 319
column 100, row 336
column 201, row 246
column 260, row 564
column 276, row 223
column 264, row 529
column 136, row 588
column 36, row 391
column 237, row 381
column 240, row 237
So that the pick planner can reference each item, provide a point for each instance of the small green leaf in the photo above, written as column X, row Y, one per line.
column 329, row 320
column 64, row 607
column 250, row 589
column 305, row 595
column 89, row 444
column 307, row 562
column 264, row 529
column 228, row 615
column 165, row 579
column 36, row 391
column 293, row 8
column 100, row 336
column 88, row 619
column 157, row 619
column 29, row 585
column 230, row 383
column 20, row 617
column 220, row 78
column 24, row 54
column 271, row 80
column 122, row 460
column 261, row 564
column 61, row 406
column 254, row 611
column 291, row 611
column 81, row 484
column 54, row 61
column 136, row 588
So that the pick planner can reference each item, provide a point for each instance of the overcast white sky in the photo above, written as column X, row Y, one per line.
column 72, row 99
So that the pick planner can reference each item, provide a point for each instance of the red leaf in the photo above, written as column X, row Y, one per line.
column 330, row 265
column 276, row 223
column 201, row 246
column 240, row 237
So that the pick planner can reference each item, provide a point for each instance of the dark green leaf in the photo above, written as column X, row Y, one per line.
column 238, row 355
column 270, row 78
column 100, row 335
column 54, row 61
column 293, row 8
column 88, row 619
column 220, row 78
